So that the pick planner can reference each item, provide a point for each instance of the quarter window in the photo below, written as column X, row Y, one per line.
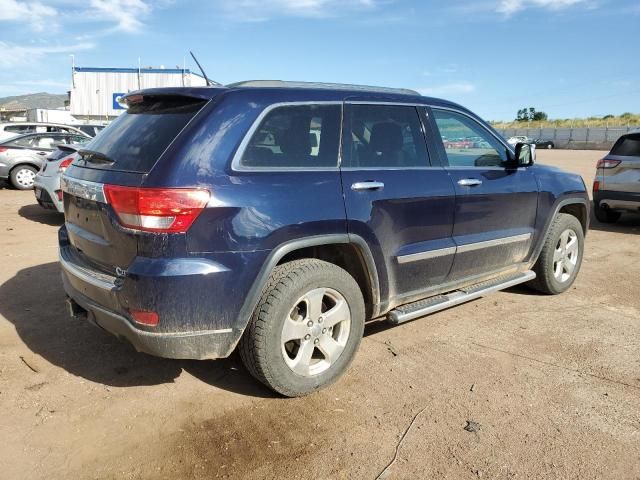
column 384, row 136
column 467, row 143
column 296, row 136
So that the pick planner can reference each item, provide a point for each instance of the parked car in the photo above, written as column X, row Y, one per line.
column 518, row 139
column 189, row 234
column 10, row 130
column 91, row 129
column 21, row 157
column 46, row 185
column 541, row 143
column 616, row 188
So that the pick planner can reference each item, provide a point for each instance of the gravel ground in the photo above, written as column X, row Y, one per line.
column 551, row 384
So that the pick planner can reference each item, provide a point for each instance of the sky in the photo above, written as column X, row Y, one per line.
column 569, row 58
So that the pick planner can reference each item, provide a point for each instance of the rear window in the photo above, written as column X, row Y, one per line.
column 138, row 137
column 628, row 146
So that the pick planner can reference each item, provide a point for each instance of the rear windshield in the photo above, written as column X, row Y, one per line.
column 138, row 137
column 628, row 146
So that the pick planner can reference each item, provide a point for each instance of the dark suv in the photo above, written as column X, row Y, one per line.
column 278, row 217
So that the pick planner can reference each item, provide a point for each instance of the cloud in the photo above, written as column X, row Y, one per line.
column 448, row 89
column 35, row 14
column 126, row 14
column 511, row 7
column 12, row 55
column 262, row 10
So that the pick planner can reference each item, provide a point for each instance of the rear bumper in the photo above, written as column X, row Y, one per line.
column 97, row 298
column 627, row 201
column 49, row 197
column 199, row 345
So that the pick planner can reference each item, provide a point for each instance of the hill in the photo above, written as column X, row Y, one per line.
column 36, row 100
column 624, row 120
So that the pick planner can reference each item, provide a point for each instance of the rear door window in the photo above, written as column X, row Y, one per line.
column 139, row 136
column 627, row 146
column 295, row 136
column 384, row 136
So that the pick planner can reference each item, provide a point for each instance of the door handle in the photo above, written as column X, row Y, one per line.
column 469, row 182
column 367, row 186
column 42, row 153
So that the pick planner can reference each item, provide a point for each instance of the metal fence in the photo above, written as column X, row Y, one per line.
column 598, row 138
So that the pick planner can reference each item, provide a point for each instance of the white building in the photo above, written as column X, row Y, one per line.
column 95, row 91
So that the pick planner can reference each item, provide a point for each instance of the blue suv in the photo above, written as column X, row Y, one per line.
column 277, row 218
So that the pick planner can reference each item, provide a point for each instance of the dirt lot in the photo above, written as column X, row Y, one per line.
column 553, row 382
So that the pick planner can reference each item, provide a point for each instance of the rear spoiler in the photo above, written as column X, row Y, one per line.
column 69, row 148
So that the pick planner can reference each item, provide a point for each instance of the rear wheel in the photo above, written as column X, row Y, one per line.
column 306, row 328
column 605, row 215
column 22, row 177
column 561, row 256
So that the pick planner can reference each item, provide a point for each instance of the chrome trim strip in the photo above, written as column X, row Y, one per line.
column 84, row 275
column 470, row 247
column 414, row 257
column 236, row 165
column 84, row 189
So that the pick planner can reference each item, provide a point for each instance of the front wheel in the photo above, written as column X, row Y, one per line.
column 306, row 328
column 561, row 256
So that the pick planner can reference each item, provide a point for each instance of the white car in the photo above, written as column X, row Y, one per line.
column 518, row 139
column 9, row 130
column 46, row 184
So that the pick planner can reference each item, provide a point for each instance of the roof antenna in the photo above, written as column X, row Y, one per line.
column 209, row 82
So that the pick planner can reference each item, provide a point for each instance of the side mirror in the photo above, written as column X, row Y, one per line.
column 525, row 154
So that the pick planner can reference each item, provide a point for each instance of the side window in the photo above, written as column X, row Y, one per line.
column 467, row 143
column 298, row 136
column 384, row 136
column 18, row 129
column 23, row 142
column 45, row 142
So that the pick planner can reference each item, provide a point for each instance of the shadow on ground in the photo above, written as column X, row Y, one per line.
column 36, row 213
column 33, row 301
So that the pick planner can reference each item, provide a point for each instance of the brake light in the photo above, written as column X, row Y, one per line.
column 65, row 164
column 605, row 163
column 59, row 195
column 145, row 318
column 596, row 186
column 3, row 149
column 162, row 210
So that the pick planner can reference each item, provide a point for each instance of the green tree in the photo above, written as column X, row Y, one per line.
column 540, row 117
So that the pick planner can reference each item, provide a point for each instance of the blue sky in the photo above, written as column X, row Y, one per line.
column 570, row 58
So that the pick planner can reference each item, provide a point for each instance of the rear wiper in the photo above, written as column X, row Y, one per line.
column 94, row 156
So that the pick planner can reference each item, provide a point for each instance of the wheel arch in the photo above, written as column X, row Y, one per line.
column 576, row 206
column 334, row 248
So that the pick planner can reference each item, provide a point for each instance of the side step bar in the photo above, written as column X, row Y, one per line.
column 424, row 307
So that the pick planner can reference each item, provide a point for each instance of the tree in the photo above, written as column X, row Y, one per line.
column 540, row 117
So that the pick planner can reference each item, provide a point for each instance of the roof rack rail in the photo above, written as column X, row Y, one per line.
column 332, row 86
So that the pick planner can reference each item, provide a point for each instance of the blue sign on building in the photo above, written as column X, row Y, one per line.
column 116, row 97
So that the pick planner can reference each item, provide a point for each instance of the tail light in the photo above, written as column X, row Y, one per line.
column 143, row 317
column 605, row 163
column 59, row 194
column 596, row 186
column 65, row 164
column 162, row 210
column 3, row 149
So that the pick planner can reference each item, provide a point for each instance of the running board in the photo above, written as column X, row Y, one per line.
column 418, row 309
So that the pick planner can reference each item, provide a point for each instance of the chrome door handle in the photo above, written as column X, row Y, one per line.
column 469, row 182
column 367, row 186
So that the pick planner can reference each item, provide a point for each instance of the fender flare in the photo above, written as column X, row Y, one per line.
column 556, row 209
column 279, row 252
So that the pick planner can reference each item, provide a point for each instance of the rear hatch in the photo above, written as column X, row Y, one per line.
column 621, row 170
column 122, row 155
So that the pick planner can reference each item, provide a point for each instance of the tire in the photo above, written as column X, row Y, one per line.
column 560, row 259
column 295, row 295
column 22, row 177
column 605, row 215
